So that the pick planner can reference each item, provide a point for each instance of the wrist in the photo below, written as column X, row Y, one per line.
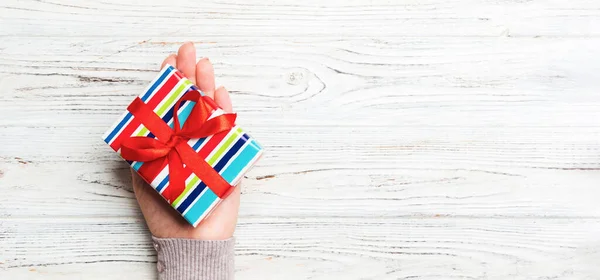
column 179, row 258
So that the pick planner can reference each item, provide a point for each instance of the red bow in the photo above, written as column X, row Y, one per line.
column 172, row 145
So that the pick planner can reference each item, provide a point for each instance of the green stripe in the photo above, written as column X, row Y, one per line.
column 226, row 146
column 168, row 104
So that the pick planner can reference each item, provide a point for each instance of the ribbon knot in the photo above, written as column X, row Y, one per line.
column 172, row 148
column 175, row 140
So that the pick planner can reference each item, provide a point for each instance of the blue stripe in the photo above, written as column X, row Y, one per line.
column 195, row 192
column 242, row 160
column 163, row 183
column 197, row 145
column 136, row 166
column 200, row 206
column 144, row 97
column 236, row 147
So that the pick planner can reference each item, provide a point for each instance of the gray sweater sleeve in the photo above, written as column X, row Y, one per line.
column 188, row 259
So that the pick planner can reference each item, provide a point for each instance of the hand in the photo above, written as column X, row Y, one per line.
column 163, row 221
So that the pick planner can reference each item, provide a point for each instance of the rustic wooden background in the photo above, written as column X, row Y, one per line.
column 413, row 139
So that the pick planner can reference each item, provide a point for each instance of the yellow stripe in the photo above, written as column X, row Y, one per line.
column 224, row 147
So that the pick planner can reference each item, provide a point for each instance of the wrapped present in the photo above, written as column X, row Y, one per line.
column 180, row 142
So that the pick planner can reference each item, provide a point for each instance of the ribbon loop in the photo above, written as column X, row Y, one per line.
column 172, row 145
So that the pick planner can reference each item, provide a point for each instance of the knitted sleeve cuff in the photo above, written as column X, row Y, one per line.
column 189, row 259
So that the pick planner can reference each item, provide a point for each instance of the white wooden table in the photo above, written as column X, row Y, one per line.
column 414, row 139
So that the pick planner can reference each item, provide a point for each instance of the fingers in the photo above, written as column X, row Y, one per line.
column 205, row 77
column 223, row 100
column 171, row 60
column 186, row 61
column 202, row 73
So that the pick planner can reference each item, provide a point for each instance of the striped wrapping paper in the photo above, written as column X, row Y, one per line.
column 231, row 153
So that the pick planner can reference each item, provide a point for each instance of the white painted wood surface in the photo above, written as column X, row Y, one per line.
column 415, row 139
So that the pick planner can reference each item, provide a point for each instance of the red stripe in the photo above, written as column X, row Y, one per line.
column 179, row 74
column 149, row 170
column 212, row 143
column 153, row 102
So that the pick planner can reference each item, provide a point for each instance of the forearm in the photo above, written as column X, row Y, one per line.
column 189, row 259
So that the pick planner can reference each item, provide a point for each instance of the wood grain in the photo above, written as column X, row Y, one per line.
column 405, row 140
column 321, row 248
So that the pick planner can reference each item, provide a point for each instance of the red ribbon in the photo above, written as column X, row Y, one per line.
column 172, row 147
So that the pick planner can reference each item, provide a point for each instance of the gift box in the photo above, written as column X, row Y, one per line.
column 193, row 160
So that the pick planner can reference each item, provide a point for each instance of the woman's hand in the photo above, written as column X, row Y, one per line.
column 163, row 221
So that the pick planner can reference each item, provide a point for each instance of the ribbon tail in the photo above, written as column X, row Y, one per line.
column 203, row 170
column 176, row 177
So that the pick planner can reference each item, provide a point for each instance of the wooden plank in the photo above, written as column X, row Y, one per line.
column 320, row 248
column 213, row 19
column 102, row 189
